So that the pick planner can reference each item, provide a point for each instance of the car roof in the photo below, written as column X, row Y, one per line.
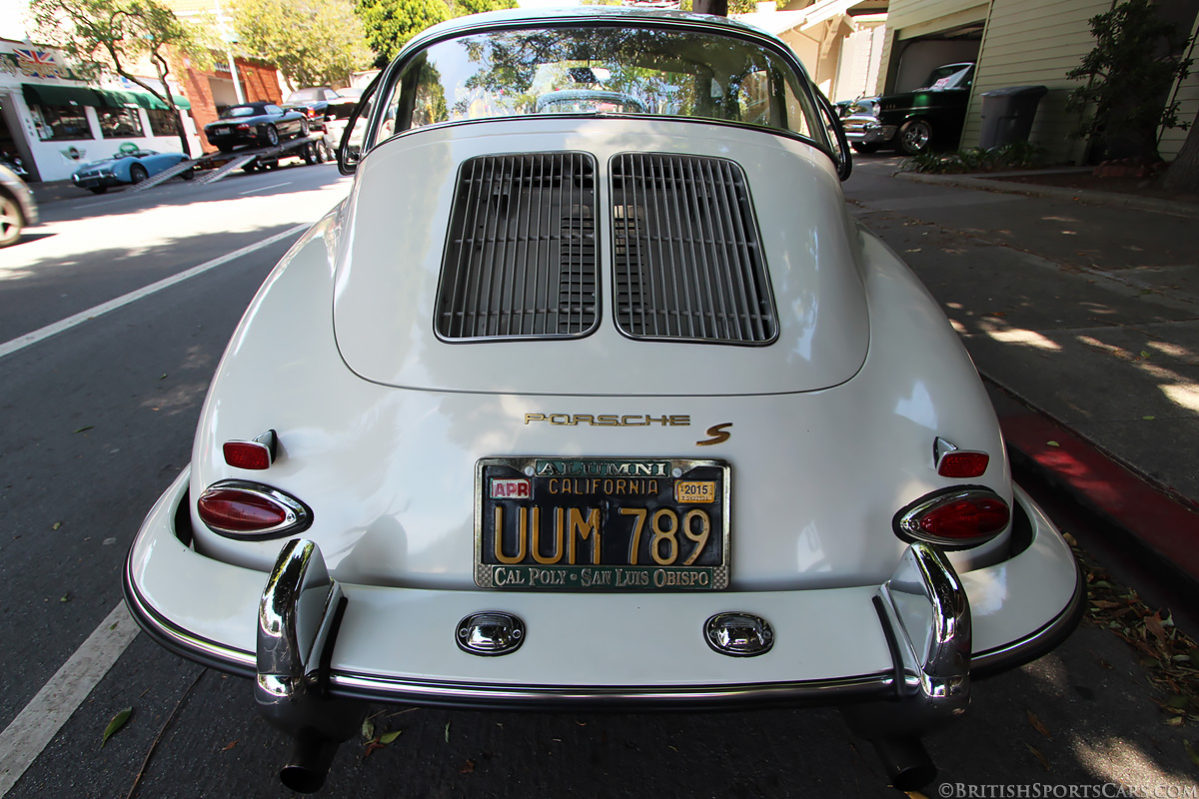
column 542, row 16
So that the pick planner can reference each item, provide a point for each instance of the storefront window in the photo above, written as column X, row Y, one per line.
column 163, row 121
column 60, row 122
column 120, row 123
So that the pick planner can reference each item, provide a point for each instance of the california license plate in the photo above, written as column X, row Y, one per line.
column 602, row 524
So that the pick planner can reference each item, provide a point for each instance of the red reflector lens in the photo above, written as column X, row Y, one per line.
column 963, row 464
column 247, row 454
column 240, row 511
column 966, row 519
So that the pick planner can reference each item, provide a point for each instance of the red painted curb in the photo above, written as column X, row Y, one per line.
column 1167, row 527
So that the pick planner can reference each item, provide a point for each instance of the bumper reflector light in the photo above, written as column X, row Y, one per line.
column 963, row 464
column 256, row 454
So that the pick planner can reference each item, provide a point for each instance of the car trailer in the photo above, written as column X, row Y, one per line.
column 212, row 167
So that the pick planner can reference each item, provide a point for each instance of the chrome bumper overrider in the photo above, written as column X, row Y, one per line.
column 916, row 638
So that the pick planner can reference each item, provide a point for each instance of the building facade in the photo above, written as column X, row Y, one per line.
column 1016, row 43
column 54, row 120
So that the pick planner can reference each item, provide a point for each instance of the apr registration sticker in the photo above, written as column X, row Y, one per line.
column 515, row 488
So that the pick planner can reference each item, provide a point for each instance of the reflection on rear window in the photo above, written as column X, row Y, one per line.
column 598, row 70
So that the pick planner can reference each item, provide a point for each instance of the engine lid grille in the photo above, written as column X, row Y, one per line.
column 520, row 260
column 687, row 258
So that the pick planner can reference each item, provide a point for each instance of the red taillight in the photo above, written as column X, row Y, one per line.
column 243, row 126
column 963, row 464
column 958, row 518
column 250, row 510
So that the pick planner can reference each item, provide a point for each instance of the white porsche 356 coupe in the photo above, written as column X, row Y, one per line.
column 592, row 393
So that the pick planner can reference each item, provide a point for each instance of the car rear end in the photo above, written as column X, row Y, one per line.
column 611, row 411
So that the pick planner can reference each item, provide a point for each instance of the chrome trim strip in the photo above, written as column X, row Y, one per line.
column 1038, row 642
column 416, row 691
column 210, row 653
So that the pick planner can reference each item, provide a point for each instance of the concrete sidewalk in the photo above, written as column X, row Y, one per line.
column 1082, row 313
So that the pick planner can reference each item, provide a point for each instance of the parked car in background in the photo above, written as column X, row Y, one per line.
column 611, row 408
column 916, row 121
column 258, row 124
column 127, row 167
column 314, row 102
column 18, row 208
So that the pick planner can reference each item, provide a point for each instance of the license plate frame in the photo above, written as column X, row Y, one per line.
column 638, row 500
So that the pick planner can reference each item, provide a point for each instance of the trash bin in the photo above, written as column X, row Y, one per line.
column 1008, row 113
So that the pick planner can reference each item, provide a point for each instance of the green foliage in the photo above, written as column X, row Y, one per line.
column 459, row 8
column 312, row 42
column 115, row 34
column 1136, row 59
column 1018, row 155
column 390, row 24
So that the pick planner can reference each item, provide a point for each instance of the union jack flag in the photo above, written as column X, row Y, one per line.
column 36, row 56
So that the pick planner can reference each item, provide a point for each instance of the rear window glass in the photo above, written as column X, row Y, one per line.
column 594, row 70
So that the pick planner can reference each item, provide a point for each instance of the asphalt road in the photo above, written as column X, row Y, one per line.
column 99, row 418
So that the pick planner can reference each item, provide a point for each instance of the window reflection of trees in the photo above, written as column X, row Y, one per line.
column 665, row 72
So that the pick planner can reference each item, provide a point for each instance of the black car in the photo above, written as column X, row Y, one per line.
column 258, row 124
column 915, row 121
column 314, row 103
column 18, row 209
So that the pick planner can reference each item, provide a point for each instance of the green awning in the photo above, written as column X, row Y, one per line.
column 48, row 94
column 121, row 99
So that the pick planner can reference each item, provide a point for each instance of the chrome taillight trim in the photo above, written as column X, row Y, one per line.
column 298, row 516
column 907, row 521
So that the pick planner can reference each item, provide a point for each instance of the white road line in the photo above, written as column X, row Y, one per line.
column 29, row 339
column 29, row 733
column 264, row 188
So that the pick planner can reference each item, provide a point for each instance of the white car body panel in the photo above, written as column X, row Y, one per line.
column 408, row 520
column 397, row 236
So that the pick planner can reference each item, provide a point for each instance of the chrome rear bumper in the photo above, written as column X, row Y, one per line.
column 921, row 650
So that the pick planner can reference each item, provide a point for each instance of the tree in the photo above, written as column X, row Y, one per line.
column 391, row 23
column 1183, row 173
column 312, row 42
column 116, row 34
column 1137, row 58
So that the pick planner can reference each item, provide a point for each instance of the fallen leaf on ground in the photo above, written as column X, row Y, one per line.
column 1052, row 444
column 467, row 768
column 85, row 428
column 56, row 526
column 1037, row 753
column 389, row 737
column 115, row 724
column 229, row 746
column 368, row 729
column 1036, row 724
column 447, row 732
